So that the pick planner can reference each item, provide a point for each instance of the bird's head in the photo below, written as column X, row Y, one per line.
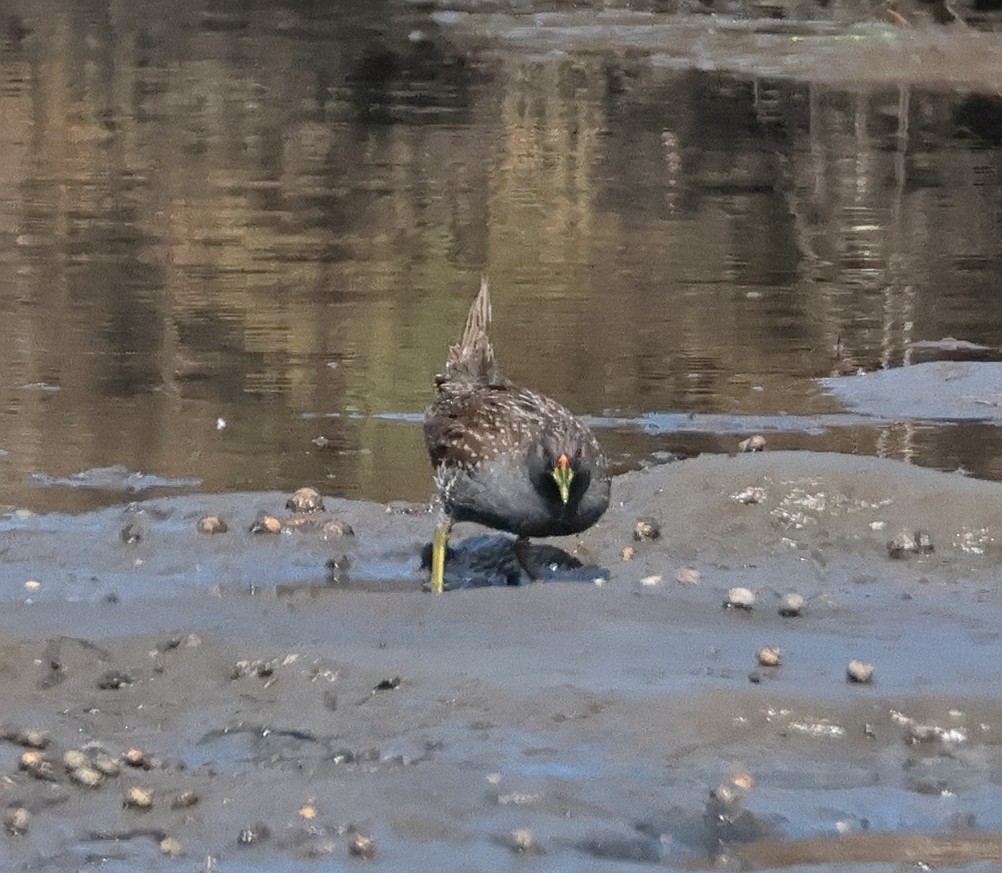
column 559, row 470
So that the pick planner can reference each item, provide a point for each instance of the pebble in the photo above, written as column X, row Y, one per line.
column 266, row 524
column 740, row 598
column 628, row 553
column 754, row 443
column 362, row 846
column 138, row 798
column 646, row 529
column 769, row 656
column 212, row 524
column 305, row 500
column 16, row 820
column 791, row 605
column 524, row 842
column 650, row 581
column 860, row 672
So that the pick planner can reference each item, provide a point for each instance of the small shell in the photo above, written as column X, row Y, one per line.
column 184, row 800
column 902, row 544
column 790, row 605
column 769, row 656
column 646, row 529
column 754, row 443
column 337, row 528
column 524, row 842
column 88, row 777
column 362, row 846
column 923, row 542
column 266, row 524
column 131, row 533
column 29, row 737
column 35, row 764
column 171, row 846
column 138, row 797
column 743, row 781
column 112, row 680
column 250, row 836
column 305, row 500
column 750, row 496
column 740, row 598
column 338, row 569
column 75, row 758
column 106, row 765
column 212, row 524
column 687, row 576
column 135, row 758
column 16, row 820
column 860, row 672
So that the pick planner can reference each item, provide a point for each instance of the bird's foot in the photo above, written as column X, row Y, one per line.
column 543, row 563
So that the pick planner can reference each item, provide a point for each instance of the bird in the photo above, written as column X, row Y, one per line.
column 506, row 457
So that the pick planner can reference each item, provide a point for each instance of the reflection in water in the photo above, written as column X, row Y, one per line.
column 275, row 216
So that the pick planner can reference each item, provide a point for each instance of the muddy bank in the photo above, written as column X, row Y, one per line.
column 283, row 713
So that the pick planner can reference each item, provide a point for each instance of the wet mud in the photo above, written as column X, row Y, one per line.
column 182, row 700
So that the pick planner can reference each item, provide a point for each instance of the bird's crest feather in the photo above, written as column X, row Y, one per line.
column 472, row 358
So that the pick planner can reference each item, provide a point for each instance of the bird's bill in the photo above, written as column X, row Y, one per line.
column 563, row 475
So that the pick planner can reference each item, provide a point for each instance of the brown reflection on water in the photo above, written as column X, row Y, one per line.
column 275, row 217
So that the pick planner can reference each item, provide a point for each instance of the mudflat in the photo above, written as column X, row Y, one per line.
column 245, row 706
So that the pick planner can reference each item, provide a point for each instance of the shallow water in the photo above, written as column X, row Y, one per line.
column 236, row 241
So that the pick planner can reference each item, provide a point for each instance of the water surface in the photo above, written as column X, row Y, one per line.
column 236, row 240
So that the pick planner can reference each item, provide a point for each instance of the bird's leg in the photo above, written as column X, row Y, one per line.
column 439, row 546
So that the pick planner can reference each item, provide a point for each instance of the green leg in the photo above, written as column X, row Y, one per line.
column 438, row 548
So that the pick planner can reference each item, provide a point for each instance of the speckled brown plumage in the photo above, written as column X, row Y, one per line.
column 496, row 447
